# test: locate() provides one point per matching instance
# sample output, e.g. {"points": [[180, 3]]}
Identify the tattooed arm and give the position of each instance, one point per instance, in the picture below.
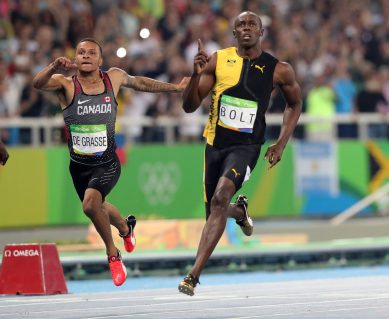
{"points": [[140, 83]]}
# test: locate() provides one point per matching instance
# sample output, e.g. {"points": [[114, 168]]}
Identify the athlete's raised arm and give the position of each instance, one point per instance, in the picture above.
{"points": [[140, 83], [52, 77], [201, 81]]}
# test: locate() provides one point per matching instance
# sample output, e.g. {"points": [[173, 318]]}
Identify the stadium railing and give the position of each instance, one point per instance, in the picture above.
{"points": [[169, 124]]}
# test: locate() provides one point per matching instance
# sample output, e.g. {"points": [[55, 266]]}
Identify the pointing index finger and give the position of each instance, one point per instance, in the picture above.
{"points": [[200, 45]]}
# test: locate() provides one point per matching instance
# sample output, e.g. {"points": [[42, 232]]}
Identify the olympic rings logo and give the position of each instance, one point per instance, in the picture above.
{"points": [[159, 182]]}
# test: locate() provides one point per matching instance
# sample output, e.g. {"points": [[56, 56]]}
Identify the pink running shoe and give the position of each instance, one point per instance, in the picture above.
{"points": [[118, 270], [129, 239]]}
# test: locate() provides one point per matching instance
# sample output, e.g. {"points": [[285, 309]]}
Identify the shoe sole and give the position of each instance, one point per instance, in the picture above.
{"points": [[247, 233], [248, 230], [186, 289]]}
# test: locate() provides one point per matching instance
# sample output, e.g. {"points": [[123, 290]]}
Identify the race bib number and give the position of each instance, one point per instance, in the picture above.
{"points": [[237, 114], [89, 139]]}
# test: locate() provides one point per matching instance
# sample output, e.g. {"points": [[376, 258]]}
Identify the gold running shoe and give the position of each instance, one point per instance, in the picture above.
{"points": [[246, 224], [188, 285]]}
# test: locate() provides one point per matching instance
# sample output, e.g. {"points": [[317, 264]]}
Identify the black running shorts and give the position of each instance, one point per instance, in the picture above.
{"points": [[101, 177], [235, 162]]}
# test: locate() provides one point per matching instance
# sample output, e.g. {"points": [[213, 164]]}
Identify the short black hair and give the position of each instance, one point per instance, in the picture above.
{"points": [[94, 41], [250, 13]]}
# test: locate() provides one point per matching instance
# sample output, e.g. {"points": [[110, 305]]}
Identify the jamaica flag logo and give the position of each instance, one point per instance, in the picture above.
{"points": [[379, 164]]}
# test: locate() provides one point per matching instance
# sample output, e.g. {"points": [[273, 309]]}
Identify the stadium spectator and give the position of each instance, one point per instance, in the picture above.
{"points": [[320, 103], [369, 99], [345, 91]]}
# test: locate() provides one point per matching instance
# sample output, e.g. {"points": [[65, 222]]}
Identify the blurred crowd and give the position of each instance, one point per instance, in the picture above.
{"points": [[338, 48]]}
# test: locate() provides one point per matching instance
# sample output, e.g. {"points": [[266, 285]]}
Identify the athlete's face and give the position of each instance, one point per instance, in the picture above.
{"points": [[88, 57], [247, 29]]}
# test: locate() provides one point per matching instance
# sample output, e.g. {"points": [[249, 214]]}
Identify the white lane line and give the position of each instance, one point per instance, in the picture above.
{"points": [[29, 301], [206, 296], [40, 303], [310, 313], [44, 301], [289, 313], [34, 299], [94, 309]]}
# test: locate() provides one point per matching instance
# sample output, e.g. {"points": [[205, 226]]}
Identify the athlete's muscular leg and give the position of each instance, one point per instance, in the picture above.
{"points": [[234, 211], [115, 218], [93, 208], [216, 223]]}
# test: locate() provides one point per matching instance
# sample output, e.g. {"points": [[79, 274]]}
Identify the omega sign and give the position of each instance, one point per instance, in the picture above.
{"points": [[21, 253]]}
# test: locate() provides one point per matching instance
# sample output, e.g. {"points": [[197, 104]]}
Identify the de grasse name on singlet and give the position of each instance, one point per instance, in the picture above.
{"points": [[94, 109], [89, 139]]}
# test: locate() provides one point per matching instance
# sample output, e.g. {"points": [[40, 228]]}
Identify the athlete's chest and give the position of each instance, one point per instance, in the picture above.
{"points": [[93, 88], [91, 106], [244, 71]]}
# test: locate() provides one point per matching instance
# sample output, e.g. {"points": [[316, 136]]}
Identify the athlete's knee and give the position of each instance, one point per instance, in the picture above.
{"points": [[89, 206], [219, 202]]}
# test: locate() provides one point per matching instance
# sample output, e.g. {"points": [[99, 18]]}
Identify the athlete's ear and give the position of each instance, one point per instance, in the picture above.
{"points": [[101, 62], [234, 33], [261, 32]]}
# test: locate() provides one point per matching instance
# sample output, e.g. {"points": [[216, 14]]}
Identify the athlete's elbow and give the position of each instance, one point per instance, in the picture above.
{"points": [[36, 84], [188, 108]]}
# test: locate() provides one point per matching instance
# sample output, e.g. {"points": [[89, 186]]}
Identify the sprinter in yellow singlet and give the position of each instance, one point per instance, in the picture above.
{"points": [[240, 80]]}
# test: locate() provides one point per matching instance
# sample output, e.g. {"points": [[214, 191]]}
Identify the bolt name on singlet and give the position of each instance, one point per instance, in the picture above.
{"points": [[237, 114], [94, 109]]}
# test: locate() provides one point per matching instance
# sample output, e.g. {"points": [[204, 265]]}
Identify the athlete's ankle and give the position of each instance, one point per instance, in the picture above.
{"points": [[195, 274], [239, 213], [196, 278], [112, 253], [123, 229]]}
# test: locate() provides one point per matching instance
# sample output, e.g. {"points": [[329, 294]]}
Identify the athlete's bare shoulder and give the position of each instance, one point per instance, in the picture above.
{"points": [[66, 83], [285, 78], [115, 72], [283, 74], [118, 78], [63, 79]]}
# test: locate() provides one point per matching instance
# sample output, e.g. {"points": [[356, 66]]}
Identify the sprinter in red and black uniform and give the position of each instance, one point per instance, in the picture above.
{"points": [[240, 80], [88, 102]]}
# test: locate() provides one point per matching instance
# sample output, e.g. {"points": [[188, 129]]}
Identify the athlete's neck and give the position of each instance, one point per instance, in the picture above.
{"points": [[89, 77], [249, 53]]}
